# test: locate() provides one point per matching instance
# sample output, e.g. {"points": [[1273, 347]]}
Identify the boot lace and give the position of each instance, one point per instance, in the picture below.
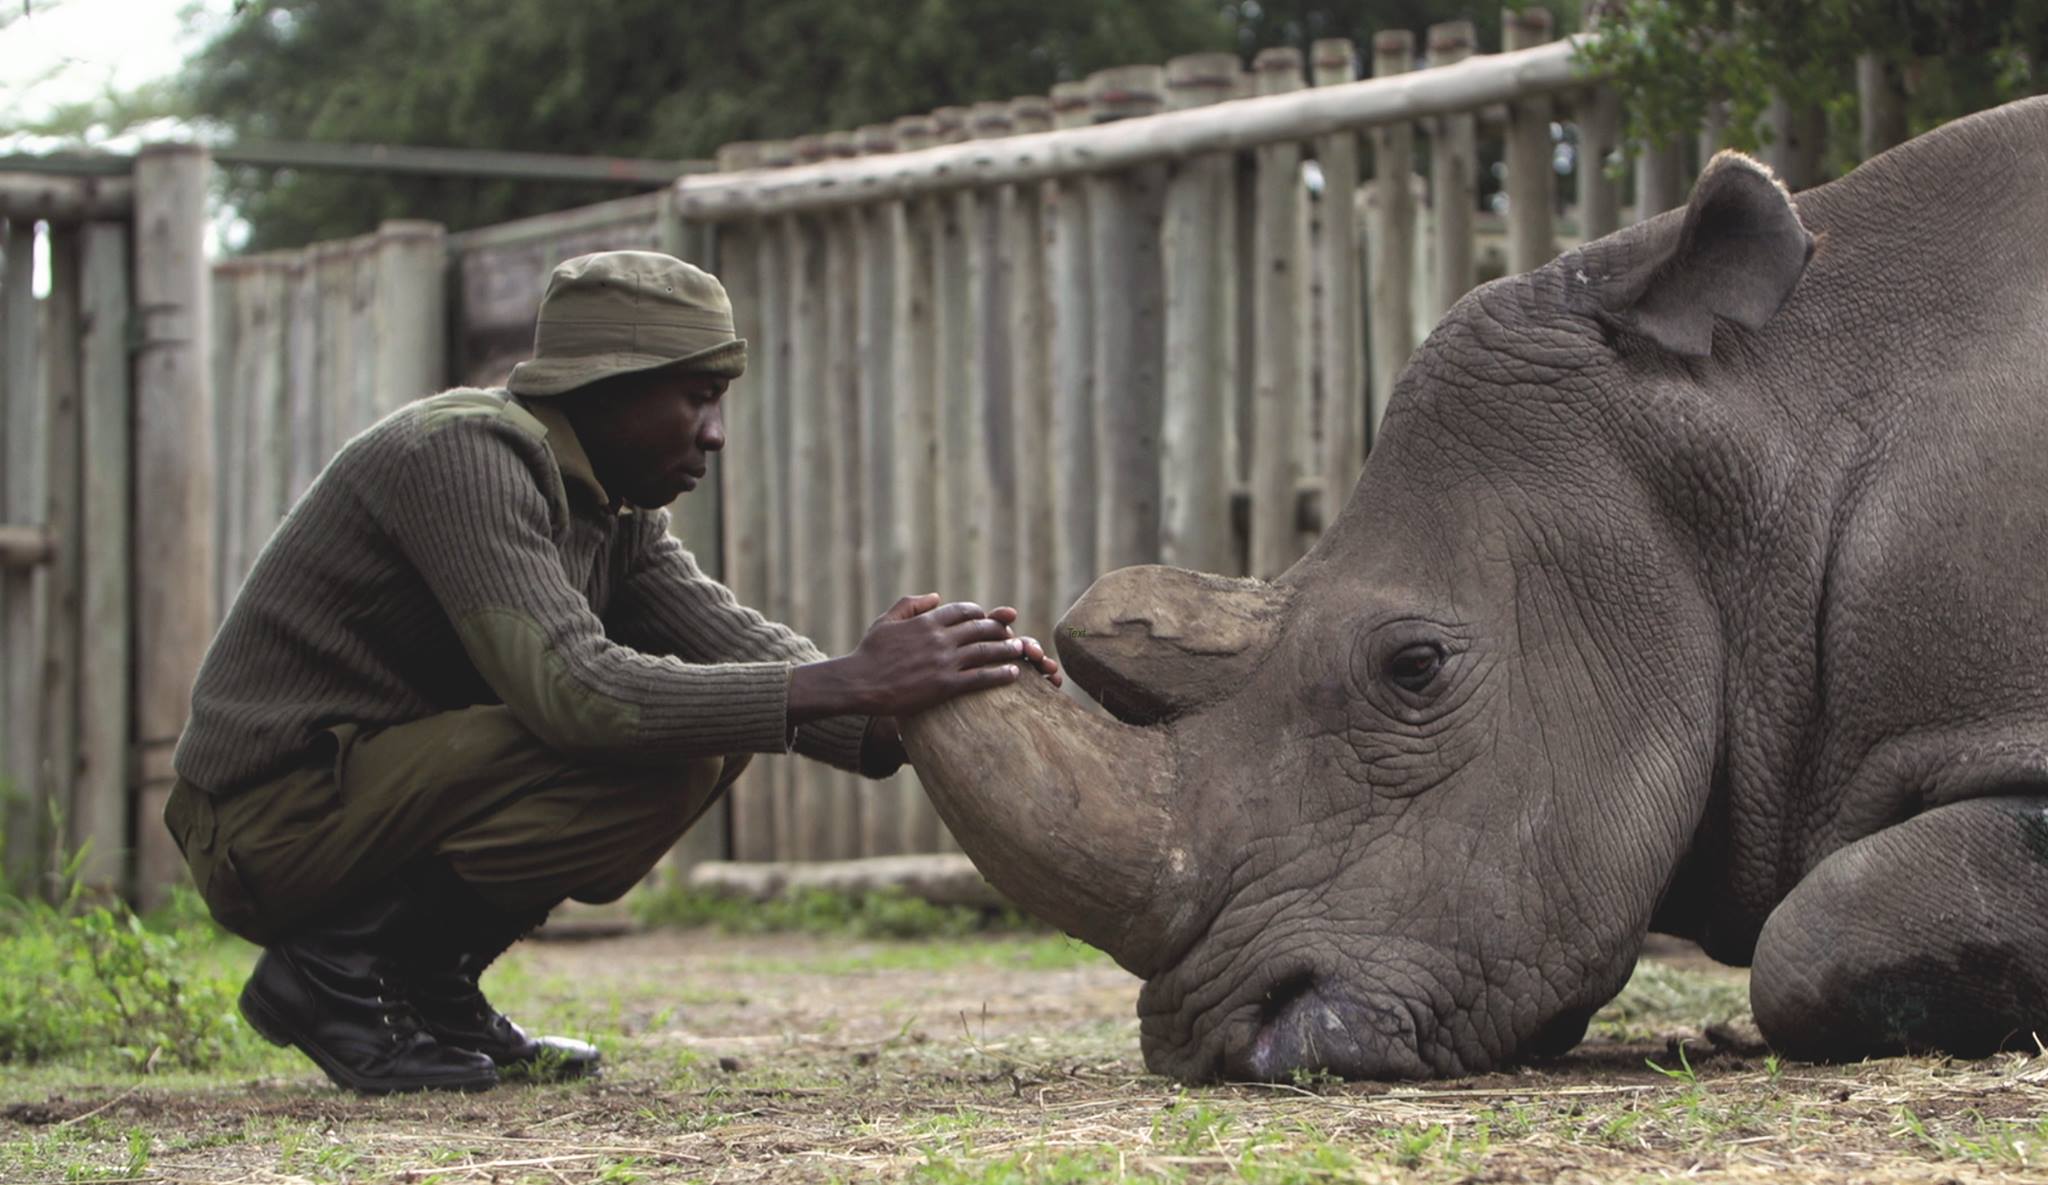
{"points": [[396, 1010]]}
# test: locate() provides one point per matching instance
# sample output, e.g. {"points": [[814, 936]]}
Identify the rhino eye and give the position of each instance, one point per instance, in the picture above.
{"points": [[1414, 668]]}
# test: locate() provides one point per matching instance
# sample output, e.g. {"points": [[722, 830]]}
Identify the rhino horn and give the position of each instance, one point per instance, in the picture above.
{"points": [[1151, 643], [1069, 813]]}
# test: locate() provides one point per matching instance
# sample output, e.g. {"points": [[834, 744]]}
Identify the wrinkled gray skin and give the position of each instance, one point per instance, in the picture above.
{"points": [[1694, 584]]}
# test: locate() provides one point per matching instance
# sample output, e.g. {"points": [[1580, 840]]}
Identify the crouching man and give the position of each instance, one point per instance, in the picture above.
{"points": [[472, 676]]}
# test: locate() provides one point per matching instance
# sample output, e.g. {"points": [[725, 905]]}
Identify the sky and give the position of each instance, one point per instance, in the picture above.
{"points": [[58, 51], [54, 52]]}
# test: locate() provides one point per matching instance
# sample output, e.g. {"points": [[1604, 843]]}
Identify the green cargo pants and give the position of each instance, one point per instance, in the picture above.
{"points": [[525, 826]]}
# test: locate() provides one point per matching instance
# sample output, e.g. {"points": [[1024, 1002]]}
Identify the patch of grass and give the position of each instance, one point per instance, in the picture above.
{"points": [[891, 914], [1660, 996], [95, 982]]}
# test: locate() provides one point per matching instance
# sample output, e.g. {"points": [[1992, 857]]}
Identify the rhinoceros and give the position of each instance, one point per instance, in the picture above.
{"points": [[1697, 583]]}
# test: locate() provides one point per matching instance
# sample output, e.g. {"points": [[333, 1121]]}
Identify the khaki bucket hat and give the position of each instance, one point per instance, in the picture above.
{"points": [[616, 312]]}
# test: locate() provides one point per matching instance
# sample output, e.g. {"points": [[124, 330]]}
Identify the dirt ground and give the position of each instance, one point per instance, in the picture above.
{"points": [[785, 1058]]}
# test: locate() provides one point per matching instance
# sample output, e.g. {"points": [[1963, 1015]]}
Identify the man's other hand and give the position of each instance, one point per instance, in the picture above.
{"points": [[918, 654]]}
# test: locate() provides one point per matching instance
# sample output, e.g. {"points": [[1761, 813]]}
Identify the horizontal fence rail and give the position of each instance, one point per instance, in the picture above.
{"points": [[1244, 124]]}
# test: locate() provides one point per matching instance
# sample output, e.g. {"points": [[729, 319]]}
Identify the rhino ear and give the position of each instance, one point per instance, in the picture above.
{"points": [[1738, 255]]}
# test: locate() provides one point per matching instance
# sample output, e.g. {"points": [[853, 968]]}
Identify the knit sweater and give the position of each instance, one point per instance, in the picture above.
{"points": [[461, 552]]}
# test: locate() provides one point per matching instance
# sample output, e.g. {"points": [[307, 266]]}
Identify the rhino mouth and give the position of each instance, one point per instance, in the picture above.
{"points": [[1300, 1018]]}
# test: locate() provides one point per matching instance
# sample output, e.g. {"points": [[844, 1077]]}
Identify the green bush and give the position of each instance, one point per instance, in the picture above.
{"points": [[96, 981], [890, 914]]}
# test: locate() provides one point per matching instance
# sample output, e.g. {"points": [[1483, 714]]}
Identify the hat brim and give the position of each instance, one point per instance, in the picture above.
{"points": [[558, 376]]}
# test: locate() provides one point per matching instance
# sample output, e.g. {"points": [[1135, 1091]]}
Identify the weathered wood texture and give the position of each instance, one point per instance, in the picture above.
{"points": [[1393, 228], [65, 566], [1198, 444], [177, 602], [1453, 174], [1128, 276], [994, 352], [309, 348], [1531, 184], [99, 817], [1341, 385], [1280, 307], [21, 584]]}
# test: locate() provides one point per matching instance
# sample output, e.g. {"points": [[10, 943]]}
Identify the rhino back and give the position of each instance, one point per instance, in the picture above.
{"points": [[1914, 365]]}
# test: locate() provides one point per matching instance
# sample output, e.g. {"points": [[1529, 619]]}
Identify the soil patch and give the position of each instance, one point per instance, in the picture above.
{"points": [[787, 1058]]}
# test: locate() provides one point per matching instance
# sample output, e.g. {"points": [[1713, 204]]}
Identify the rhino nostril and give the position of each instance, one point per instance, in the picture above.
{"points": [[1282, 994]]}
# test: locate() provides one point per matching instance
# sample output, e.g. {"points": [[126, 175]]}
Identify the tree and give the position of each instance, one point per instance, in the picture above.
{"points": [[1672, 58], [621, 77], [651, 78]]}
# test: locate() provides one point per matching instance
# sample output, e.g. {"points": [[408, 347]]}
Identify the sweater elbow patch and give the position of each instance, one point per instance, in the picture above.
{"points": [[511, 652]]}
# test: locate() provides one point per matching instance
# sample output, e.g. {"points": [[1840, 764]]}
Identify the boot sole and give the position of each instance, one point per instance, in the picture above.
{"points": [[274, 1029]]}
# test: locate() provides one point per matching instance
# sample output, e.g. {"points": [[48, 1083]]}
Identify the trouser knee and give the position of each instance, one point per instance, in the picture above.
{"points": [[590, 836]]}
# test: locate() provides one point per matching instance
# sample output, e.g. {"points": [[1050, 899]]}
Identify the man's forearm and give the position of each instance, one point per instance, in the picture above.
{"points": [[828, 688]]}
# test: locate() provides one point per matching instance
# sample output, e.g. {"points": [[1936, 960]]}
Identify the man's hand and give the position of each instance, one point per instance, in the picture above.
{"points": [[918, 654]]}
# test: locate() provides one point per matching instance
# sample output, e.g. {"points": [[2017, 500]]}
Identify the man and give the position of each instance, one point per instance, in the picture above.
{"points": [[473, 675]]}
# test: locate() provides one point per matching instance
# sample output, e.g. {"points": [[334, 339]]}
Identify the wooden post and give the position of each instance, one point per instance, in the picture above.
{"points": [[1198, 428], [1124, 212], [174, 479], [98, 824], [813, 585], [57, 697], [1531, 183], [236, 324], [411, 313], [1072, 309], [1030, 453], [1599, 120], [304, 418], [915, 429], [1453, 174], [952, 231], [1660, 178], [983, 427], [21, 505], [877, 575], [230, 422], [914, 409], [1346, 399], [263, 483], [1881, 103], [838, 607], [1279, 312], [333, 268], [99, 813], [1797, 135], [362, 345], [1393, 229], [1713, 128]]}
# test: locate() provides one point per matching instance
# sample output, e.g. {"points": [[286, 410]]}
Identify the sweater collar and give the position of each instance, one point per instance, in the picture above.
{"points": [[568, 450]]}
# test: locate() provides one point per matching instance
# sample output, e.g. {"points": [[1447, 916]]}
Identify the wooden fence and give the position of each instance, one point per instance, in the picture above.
{"points": [[1001, 350], [996, 351]]}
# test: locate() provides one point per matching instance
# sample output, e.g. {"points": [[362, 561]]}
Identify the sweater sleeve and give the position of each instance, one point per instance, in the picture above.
{"points": [[469, 510], [668, 605]]}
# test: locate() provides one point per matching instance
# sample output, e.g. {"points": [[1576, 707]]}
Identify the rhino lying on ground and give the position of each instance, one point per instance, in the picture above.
{"points": [[1698, 583]]}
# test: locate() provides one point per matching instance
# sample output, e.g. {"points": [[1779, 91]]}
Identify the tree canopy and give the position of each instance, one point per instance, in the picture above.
{"points": [[656, 79], [1671, 58]]}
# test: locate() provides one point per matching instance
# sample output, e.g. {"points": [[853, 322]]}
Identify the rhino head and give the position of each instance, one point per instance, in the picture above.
{"points": [[1408, 809]]}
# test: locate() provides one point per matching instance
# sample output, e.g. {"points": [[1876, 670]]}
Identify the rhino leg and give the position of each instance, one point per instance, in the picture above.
{"points": [[1929, 935]]}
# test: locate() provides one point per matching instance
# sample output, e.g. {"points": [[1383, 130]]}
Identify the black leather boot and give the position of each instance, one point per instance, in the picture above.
{"points": [[461, 936], [336, 991]]}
